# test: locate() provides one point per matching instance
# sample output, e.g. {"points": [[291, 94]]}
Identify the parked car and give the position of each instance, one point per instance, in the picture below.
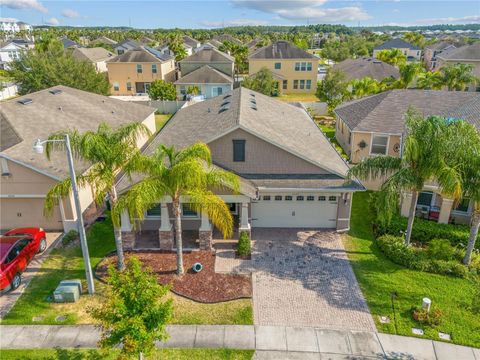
{"points": [[17, 249]]}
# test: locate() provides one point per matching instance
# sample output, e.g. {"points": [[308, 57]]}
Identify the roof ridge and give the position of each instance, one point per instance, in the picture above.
{"points": [[240, 91]]}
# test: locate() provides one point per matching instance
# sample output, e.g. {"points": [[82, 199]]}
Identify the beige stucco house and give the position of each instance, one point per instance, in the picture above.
{"points": [[208, 55], [97, 56], [27, 177], [432, 51], [132, 72], [412, 52], [294, 69]]}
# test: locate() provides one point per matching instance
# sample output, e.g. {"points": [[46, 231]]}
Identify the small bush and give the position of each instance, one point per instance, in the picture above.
{"points": [[441, 249], [69, 237], [432, 317], [244, 246]]}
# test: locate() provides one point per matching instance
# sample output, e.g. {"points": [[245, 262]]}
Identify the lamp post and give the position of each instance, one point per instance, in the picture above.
{"points": [[38, 148]]}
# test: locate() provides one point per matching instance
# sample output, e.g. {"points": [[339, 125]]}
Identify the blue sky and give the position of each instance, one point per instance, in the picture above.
{"points": [[211, 14]]}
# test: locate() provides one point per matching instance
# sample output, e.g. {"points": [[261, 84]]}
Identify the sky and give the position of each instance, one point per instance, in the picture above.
{"points": [[212, 14]]}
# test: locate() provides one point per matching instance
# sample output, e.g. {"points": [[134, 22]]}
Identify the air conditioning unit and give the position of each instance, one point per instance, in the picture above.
{"points": [[64, 294]]}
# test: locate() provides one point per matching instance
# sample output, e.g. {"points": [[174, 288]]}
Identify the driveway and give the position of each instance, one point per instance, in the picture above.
{"points": [[304, 278]]}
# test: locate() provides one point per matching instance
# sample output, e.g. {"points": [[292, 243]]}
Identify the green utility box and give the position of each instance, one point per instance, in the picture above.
{"points": [[73, 282], [66, 293]]}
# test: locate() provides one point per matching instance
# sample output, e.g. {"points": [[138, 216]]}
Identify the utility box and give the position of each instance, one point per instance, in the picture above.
{"points": [[73, 282], [65, 293]]}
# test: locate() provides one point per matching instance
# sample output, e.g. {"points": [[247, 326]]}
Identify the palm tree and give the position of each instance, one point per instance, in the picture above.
{"points": [[175, 174], [393, 57], [108, 151], [408, 73], [365, 86], [458, 76], [175, 44], [430, 80], [421, 161]]}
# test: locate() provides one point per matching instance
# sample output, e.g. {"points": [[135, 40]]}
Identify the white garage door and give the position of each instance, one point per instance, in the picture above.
{"points": [[315, 211]]}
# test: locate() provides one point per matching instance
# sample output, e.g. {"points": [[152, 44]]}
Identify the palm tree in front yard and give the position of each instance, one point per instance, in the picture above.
{"points": [[422, 160], [186, 174], [108, 151]]}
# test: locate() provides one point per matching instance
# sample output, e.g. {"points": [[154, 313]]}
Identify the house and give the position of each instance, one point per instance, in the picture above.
{"points": [[290, 175], [467, 54], [226, 37], [125, 45], [69, 44], [132, 72], [194, 44], [9, 52], [208, 80], [27, 177], [96, 56], [208, 56], [164, 49], [253, 45], [375, 125], [104, 40], [431, 52], [366, 66], [209, 44], [412, 52], [294, 69], [9, 25]]}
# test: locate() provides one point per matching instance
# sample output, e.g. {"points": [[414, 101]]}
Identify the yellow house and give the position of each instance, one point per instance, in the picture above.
{"points": [[132, 73], [293, 68]]}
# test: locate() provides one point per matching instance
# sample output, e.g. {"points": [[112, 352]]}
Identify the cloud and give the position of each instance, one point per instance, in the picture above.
{"points": [[69, 13], [53, 21], [8, 20], [302, 10], [448, 20], [24, 5], [236, 22]]}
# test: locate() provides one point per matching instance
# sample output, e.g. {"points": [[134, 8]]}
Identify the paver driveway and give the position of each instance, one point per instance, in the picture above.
{"points": [[303, 278]]}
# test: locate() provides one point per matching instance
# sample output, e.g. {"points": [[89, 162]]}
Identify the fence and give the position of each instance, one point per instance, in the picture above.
{"points": [[166, 106], [318, 108]]}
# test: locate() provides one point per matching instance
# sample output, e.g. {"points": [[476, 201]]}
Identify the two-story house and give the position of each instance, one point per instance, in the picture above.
{"points": [[210, 56], [96, 56], [132, 72], [294, 69], [125, 45], [412, 52], [432, 51]]}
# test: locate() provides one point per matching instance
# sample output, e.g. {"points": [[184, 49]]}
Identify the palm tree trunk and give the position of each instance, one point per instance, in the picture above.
{"points": [[118, 233], [140, 355], [474, 226], [178, 235], [411, 217]]}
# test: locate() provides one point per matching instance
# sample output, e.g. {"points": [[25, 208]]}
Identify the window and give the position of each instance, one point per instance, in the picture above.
{"points": [[379, 145], [322, 198], [332, 198], [309, 66], [278, 197], [116, 86], [302, 84], [303, 66], [216, 91], [425, 198], [154, 68], [187, 211], [238, 150], [129, 86], [120, 51], [295, 84], [266, 197], [155, 211], [309, 84], [233, 208], [139, 68], [288, 198], [297, 66], [284, 84], [463, 205], [310, 198], [183, 91], [278, 66], [299, 198]]}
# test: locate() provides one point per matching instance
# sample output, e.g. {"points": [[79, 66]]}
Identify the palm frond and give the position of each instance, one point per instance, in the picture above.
{"points": [[375, 167], [199, 151], [220, 179]]}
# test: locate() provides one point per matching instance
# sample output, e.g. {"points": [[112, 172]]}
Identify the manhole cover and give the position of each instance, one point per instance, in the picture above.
{"points": [[61, 318]]}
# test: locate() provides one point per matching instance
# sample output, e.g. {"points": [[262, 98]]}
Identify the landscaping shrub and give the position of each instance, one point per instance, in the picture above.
{"points": [[432, 317], [244, 246], [69, 237], [441, 249]]}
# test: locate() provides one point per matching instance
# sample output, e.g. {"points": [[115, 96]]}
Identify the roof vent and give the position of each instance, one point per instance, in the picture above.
{"points": [[251, 94], [377, 62], [253, 106], [55, 91], [60, 108], [253, 101], [225, 103], [27, 101], [222, 110], [227, 96]]}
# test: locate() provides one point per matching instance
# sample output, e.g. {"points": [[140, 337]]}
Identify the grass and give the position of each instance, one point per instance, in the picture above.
{"points": [[329, 132], [67, 263], [93, 354], [161, 120], [379, 277], [298, 97]]}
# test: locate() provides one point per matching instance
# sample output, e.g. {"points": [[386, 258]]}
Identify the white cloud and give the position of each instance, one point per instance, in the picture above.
{"points": [[69, 13], [8, 20], [24, 5], [53, 21], [310, 10], [236, 22], [448, 20]]}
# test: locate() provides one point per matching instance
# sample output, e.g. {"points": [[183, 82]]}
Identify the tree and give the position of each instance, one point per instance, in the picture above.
{"points": [[422, 160], [408, 73], [458, 76], [393, 57], [365, 86], [175, 45], [186, 173], [50, 66], [332, 88], [415, 38], [108, 151], [162, 90], [135, 312], [430, 80], [262, 81], [193, 90]]}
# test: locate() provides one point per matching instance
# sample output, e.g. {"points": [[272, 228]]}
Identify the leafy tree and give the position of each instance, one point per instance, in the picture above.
{"points": [[458, 76], [365, 86], [239, 52], [108, 151], [175, 44], [422, 160], [262, 81], [430, 80], [332, 89], [50, 66], [415, 38], [162, 90], [393, 57], [193, 90], [175, 174], [135, 311], [408, 73]]}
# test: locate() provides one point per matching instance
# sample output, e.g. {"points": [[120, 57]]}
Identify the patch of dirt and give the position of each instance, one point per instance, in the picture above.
{"points": [[207, 286]]}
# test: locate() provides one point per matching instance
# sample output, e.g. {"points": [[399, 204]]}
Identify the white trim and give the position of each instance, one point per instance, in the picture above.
{"points": [[22, 196], [30, 167], [301, 190]]}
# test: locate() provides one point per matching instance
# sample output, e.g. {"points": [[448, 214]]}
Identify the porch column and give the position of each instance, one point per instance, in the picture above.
{"points": [[205, 233], [244, 223], [406, 202], [128, 235], [165, 233], [445, 210]]}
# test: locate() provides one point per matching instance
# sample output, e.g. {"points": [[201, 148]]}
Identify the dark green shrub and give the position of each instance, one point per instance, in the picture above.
{"points": [[69, 237], [440, 249], [244, 246], [432, 317]]}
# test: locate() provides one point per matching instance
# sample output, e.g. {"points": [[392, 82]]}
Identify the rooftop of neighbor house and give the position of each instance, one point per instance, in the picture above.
{"points": [[396, 43], [38, 115], [466, 53], [141, 54], [367, 66], [128, 42], [67, 43], [92, 54], [205, 75], [214, 43], [281, 50], [209, 54], [105, 40], [439, 45], [227, 37], [384, 112], [190, 41]]}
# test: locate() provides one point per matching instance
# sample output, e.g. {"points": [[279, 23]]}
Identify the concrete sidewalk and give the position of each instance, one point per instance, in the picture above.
{"points": [[271, 342]]}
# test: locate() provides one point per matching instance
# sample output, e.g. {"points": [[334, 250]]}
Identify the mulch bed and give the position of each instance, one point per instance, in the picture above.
{"points": [[207, 286]]}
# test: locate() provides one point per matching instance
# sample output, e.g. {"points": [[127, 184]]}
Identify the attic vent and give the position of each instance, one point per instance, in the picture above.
{"points": [[55, 91], [252, 94], [225, 103], [227, 96], [25, 101], [253, 106], [222, 110], [253, 101]]}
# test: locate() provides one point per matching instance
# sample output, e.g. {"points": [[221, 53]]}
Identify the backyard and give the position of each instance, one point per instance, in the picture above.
{"points": [[161, 120], [329, 132], [379, 278]]}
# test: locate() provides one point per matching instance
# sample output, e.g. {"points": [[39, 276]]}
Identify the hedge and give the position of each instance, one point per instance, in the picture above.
{"points": [[244, 246]]}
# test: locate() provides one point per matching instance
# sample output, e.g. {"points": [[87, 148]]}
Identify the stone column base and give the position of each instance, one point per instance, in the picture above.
{"points": [[205, 237], [165, 238], [128, 239]]}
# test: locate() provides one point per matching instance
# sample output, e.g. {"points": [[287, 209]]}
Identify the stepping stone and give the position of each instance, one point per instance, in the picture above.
{"points": [[38, 318], [384, 319], [417, 331], [444, 336], [61, 318]]}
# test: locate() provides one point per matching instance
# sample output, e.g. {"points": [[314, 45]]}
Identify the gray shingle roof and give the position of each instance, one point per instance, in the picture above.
{"points": [[214, 42], [205, 75], [384, 112], [141, 54], [207, 55], [190, 41], [467, 52], [281, 50], [49, 113], [396, 44], [92, 54], [105, 40], [8, 136], [362, 67], [226, 37], [439, 45], [129, 43], [67, 43]]}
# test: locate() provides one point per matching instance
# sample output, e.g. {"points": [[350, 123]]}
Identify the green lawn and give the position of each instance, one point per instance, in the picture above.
{"points": [[93, 354], [161, 120], [379, 277], [329, 132]]}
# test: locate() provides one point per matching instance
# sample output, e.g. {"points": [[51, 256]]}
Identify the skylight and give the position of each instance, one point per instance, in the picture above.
{"points": [[27, 101]]}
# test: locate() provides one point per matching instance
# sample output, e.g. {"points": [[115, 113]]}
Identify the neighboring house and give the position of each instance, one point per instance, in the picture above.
{"points": [[467, 54], [9, 52], [26, 177], [69, 44], [226, 37], [104, 40], [148, 41], [208, 56], [125, 45], [290, 174], [253, 45], [164, 49], [432, 51], [294, 69], [208, 80], [209, 44], [375, 125], [13, 26], [8, 90], [194, 44], [96, 56], [132, 72], [373, 68], [412, 52]]}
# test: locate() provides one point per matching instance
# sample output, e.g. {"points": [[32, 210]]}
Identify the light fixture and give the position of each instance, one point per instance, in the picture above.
{"points": [[38, 147]]}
